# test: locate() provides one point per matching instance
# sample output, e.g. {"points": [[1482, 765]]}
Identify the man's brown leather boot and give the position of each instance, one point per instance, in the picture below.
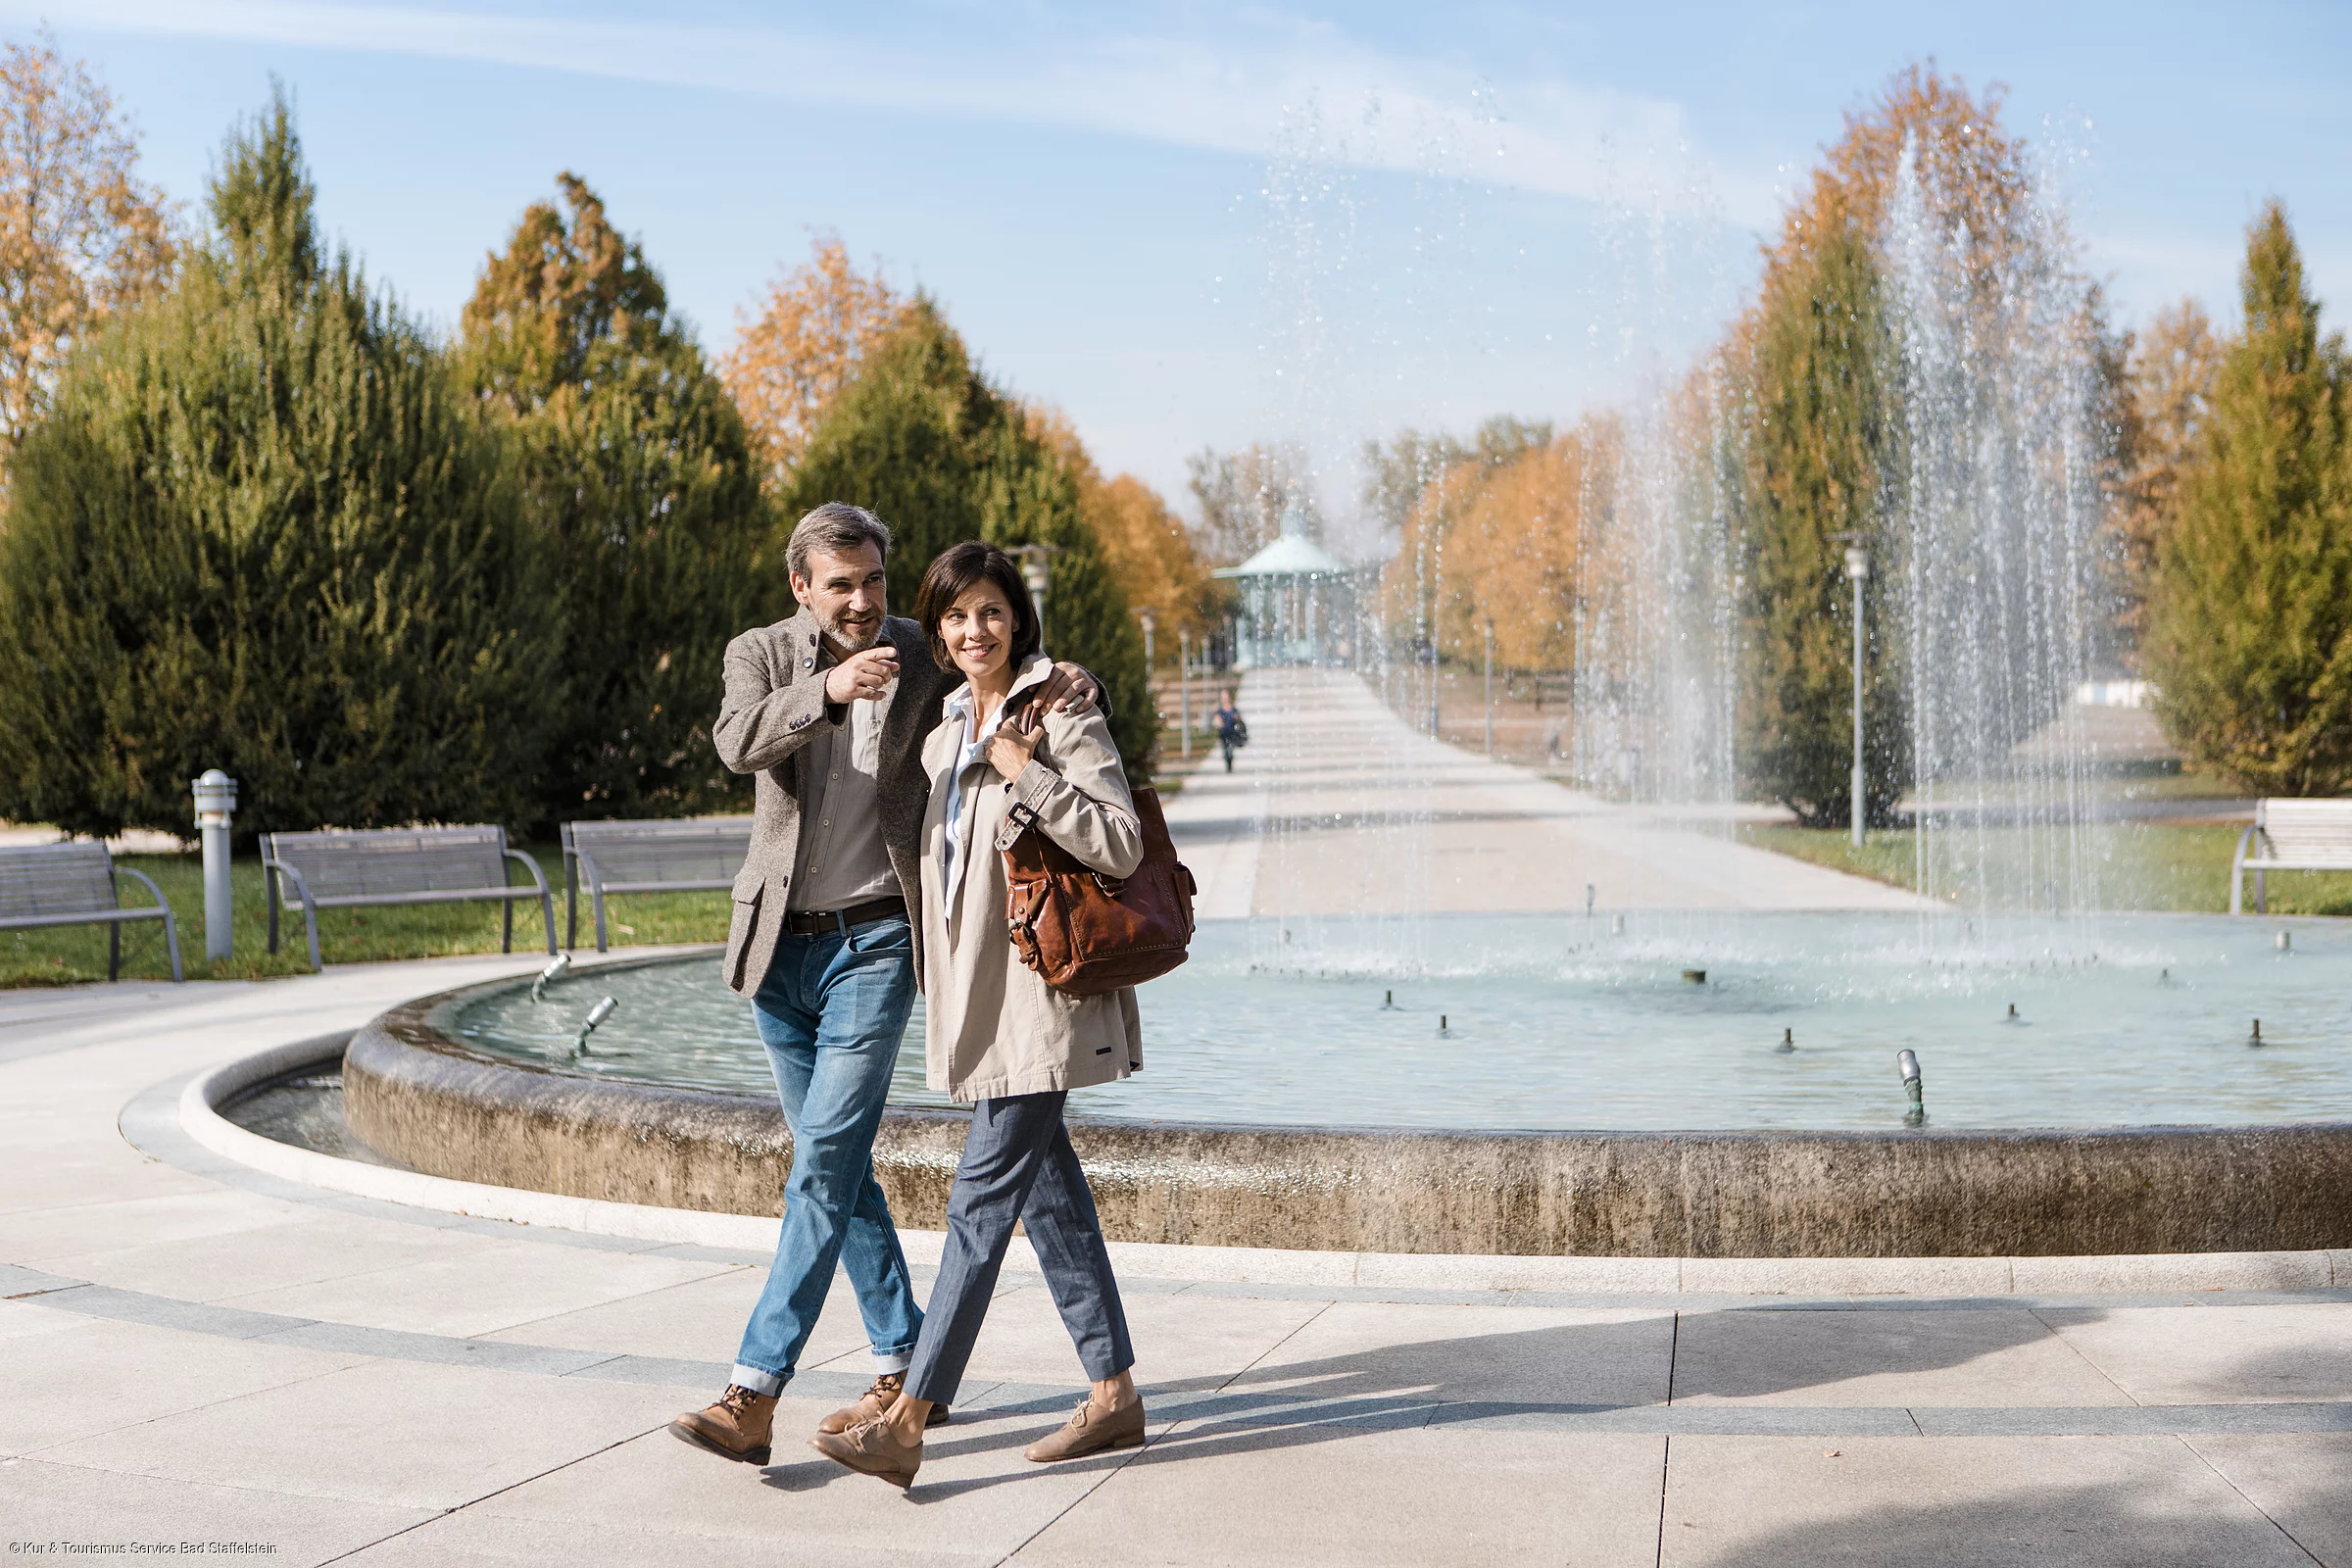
{"points": [[737, 1427], [873, 1403]]}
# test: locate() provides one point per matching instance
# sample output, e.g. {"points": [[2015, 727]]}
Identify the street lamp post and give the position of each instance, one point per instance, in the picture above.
{"points": [[1489, 687], [1858, 568], [1184, 685], [1036, 563], [1151, 666]]}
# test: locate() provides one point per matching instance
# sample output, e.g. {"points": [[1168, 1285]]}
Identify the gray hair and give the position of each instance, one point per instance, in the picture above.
{"points": [[837, 528]]}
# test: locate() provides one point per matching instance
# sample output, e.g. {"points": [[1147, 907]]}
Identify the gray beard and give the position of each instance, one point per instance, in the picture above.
{"points": [[842, 639]]}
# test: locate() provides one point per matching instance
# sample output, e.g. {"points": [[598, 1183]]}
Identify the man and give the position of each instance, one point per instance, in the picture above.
{"points": [[1231, 731], [829, 710]]}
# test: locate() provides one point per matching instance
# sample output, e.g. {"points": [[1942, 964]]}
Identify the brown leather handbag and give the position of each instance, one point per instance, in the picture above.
{"points": [[1085, 933]]}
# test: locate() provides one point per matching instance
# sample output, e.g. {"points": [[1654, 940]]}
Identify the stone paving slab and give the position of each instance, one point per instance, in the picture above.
{"points": [[1886, 1357], [2239, 1353], [2303, 1481], [1320, 1496], [1958, 1502], [44, 1501]]}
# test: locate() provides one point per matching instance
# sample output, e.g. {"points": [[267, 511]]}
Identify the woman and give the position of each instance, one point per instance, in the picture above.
{"points": [[999, 1036]]}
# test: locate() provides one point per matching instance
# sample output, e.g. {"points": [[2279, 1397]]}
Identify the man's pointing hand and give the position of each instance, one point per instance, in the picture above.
{"points": [[863, 678]]}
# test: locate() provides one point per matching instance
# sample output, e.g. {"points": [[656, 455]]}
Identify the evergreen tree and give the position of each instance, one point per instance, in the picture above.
{"points": [[259, 531], [643, 499], [923, 440], [2250, 636], [1817, 450]]}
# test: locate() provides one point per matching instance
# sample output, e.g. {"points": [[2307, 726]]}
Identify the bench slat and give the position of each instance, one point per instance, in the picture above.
{"points": [[649, 856], [363, 866], [2304, 835], [40, 881]]}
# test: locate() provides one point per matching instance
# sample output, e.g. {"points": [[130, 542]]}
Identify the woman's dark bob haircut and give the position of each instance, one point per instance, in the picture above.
{"points": [[960, 569]]}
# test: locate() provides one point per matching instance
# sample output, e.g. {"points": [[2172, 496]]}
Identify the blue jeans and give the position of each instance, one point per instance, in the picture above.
{"points": [[830, 1012]]}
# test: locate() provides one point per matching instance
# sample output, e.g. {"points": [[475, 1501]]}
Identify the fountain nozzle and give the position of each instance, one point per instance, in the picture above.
{"points": [[1442, 1029], [2286, 942], [1388, 1002], [554, 971], [1907, 1061], [1788, 1042], [1696, 977], [2255, 1039], [596, 1016]]}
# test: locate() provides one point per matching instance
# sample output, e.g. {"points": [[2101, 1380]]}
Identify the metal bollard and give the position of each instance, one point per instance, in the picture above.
{"points": [[215, 804]]}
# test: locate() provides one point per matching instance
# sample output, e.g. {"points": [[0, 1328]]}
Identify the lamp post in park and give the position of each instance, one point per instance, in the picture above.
{"points": [[1184, 685], [216, 805], [1490, 685], [1857, 569], [1151, 668], [1037, 574]]}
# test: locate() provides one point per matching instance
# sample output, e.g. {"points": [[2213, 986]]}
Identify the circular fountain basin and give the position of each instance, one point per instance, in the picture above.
{"points": [[1582, 1096]]}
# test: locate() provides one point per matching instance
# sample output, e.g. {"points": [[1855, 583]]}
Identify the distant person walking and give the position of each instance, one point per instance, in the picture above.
{"points": [[1232, 733], [1000, 1037], [829, 710]]}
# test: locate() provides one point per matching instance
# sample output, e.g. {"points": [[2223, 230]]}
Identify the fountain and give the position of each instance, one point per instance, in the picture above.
{"points": [[1585, 1044]]}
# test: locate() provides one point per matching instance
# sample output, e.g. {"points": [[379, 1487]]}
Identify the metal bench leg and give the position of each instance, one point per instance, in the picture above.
{"points": [[172, 941], [114, 949], [506, 939], [270, 893], [309, 921], [2262, 893], [571, 902], [547, 919]]}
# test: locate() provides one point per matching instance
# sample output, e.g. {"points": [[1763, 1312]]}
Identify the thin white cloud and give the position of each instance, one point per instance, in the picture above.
{"points": [[1243, 93]]}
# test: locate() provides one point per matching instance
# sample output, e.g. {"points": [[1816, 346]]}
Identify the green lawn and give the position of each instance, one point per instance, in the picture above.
{"points": [[63, 955], [2142, 865]]}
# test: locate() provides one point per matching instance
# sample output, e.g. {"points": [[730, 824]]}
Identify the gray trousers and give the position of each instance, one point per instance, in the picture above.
{"points": [[1018, 1165]]}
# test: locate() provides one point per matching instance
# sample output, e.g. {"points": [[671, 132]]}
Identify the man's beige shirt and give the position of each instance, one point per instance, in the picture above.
{"points": [[843, 861]]}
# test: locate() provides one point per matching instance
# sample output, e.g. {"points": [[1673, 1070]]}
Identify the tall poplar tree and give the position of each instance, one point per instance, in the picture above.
{"points": [[922, 439], [642, 496], [2250, 636], [1818, 451], [258, 530]]}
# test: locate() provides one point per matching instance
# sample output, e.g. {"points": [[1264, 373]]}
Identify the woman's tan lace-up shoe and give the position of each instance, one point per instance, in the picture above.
{"points": [[1090, 1429], [873, 1448], [873, 1403], [737, 1427]]}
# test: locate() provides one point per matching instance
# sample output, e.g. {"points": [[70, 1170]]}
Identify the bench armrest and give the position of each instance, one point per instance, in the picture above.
{"points": [[170, 927], [310, 909], [547, 903]]}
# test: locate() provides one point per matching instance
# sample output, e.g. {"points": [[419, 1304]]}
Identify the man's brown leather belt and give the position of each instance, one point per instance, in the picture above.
{"points": [[810, 922]]}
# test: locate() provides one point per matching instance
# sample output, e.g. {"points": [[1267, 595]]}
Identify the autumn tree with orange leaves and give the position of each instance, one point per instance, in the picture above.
{"points": [[805, 343], [81, 236]]}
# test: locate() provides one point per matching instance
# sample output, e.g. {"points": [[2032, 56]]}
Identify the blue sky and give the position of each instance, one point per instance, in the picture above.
{"points": [[1198, 225]]}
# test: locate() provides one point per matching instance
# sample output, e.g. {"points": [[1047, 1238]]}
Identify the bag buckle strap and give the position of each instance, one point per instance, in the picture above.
{"points": [[1019, 818]]}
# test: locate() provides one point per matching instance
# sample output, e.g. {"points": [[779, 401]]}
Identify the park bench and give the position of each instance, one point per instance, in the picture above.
{"points": [[697, 853], [2292, 836], [73, 884], [337, 869]]}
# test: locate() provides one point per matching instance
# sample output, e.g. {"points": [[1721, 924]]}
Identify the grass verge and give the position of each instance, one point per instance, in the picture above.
{"points": [[2173, 867]]}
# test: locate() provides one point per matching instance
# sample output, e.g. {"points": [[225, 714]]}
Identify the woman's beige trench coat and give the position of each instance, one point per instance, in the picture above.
{"points": [[994, 1028]]}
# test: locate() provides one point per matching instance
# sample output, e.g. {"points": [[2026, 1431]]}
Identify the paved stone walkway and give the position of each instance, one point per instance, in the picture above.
{"points": [[193, 1352], [1337, 806]]}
